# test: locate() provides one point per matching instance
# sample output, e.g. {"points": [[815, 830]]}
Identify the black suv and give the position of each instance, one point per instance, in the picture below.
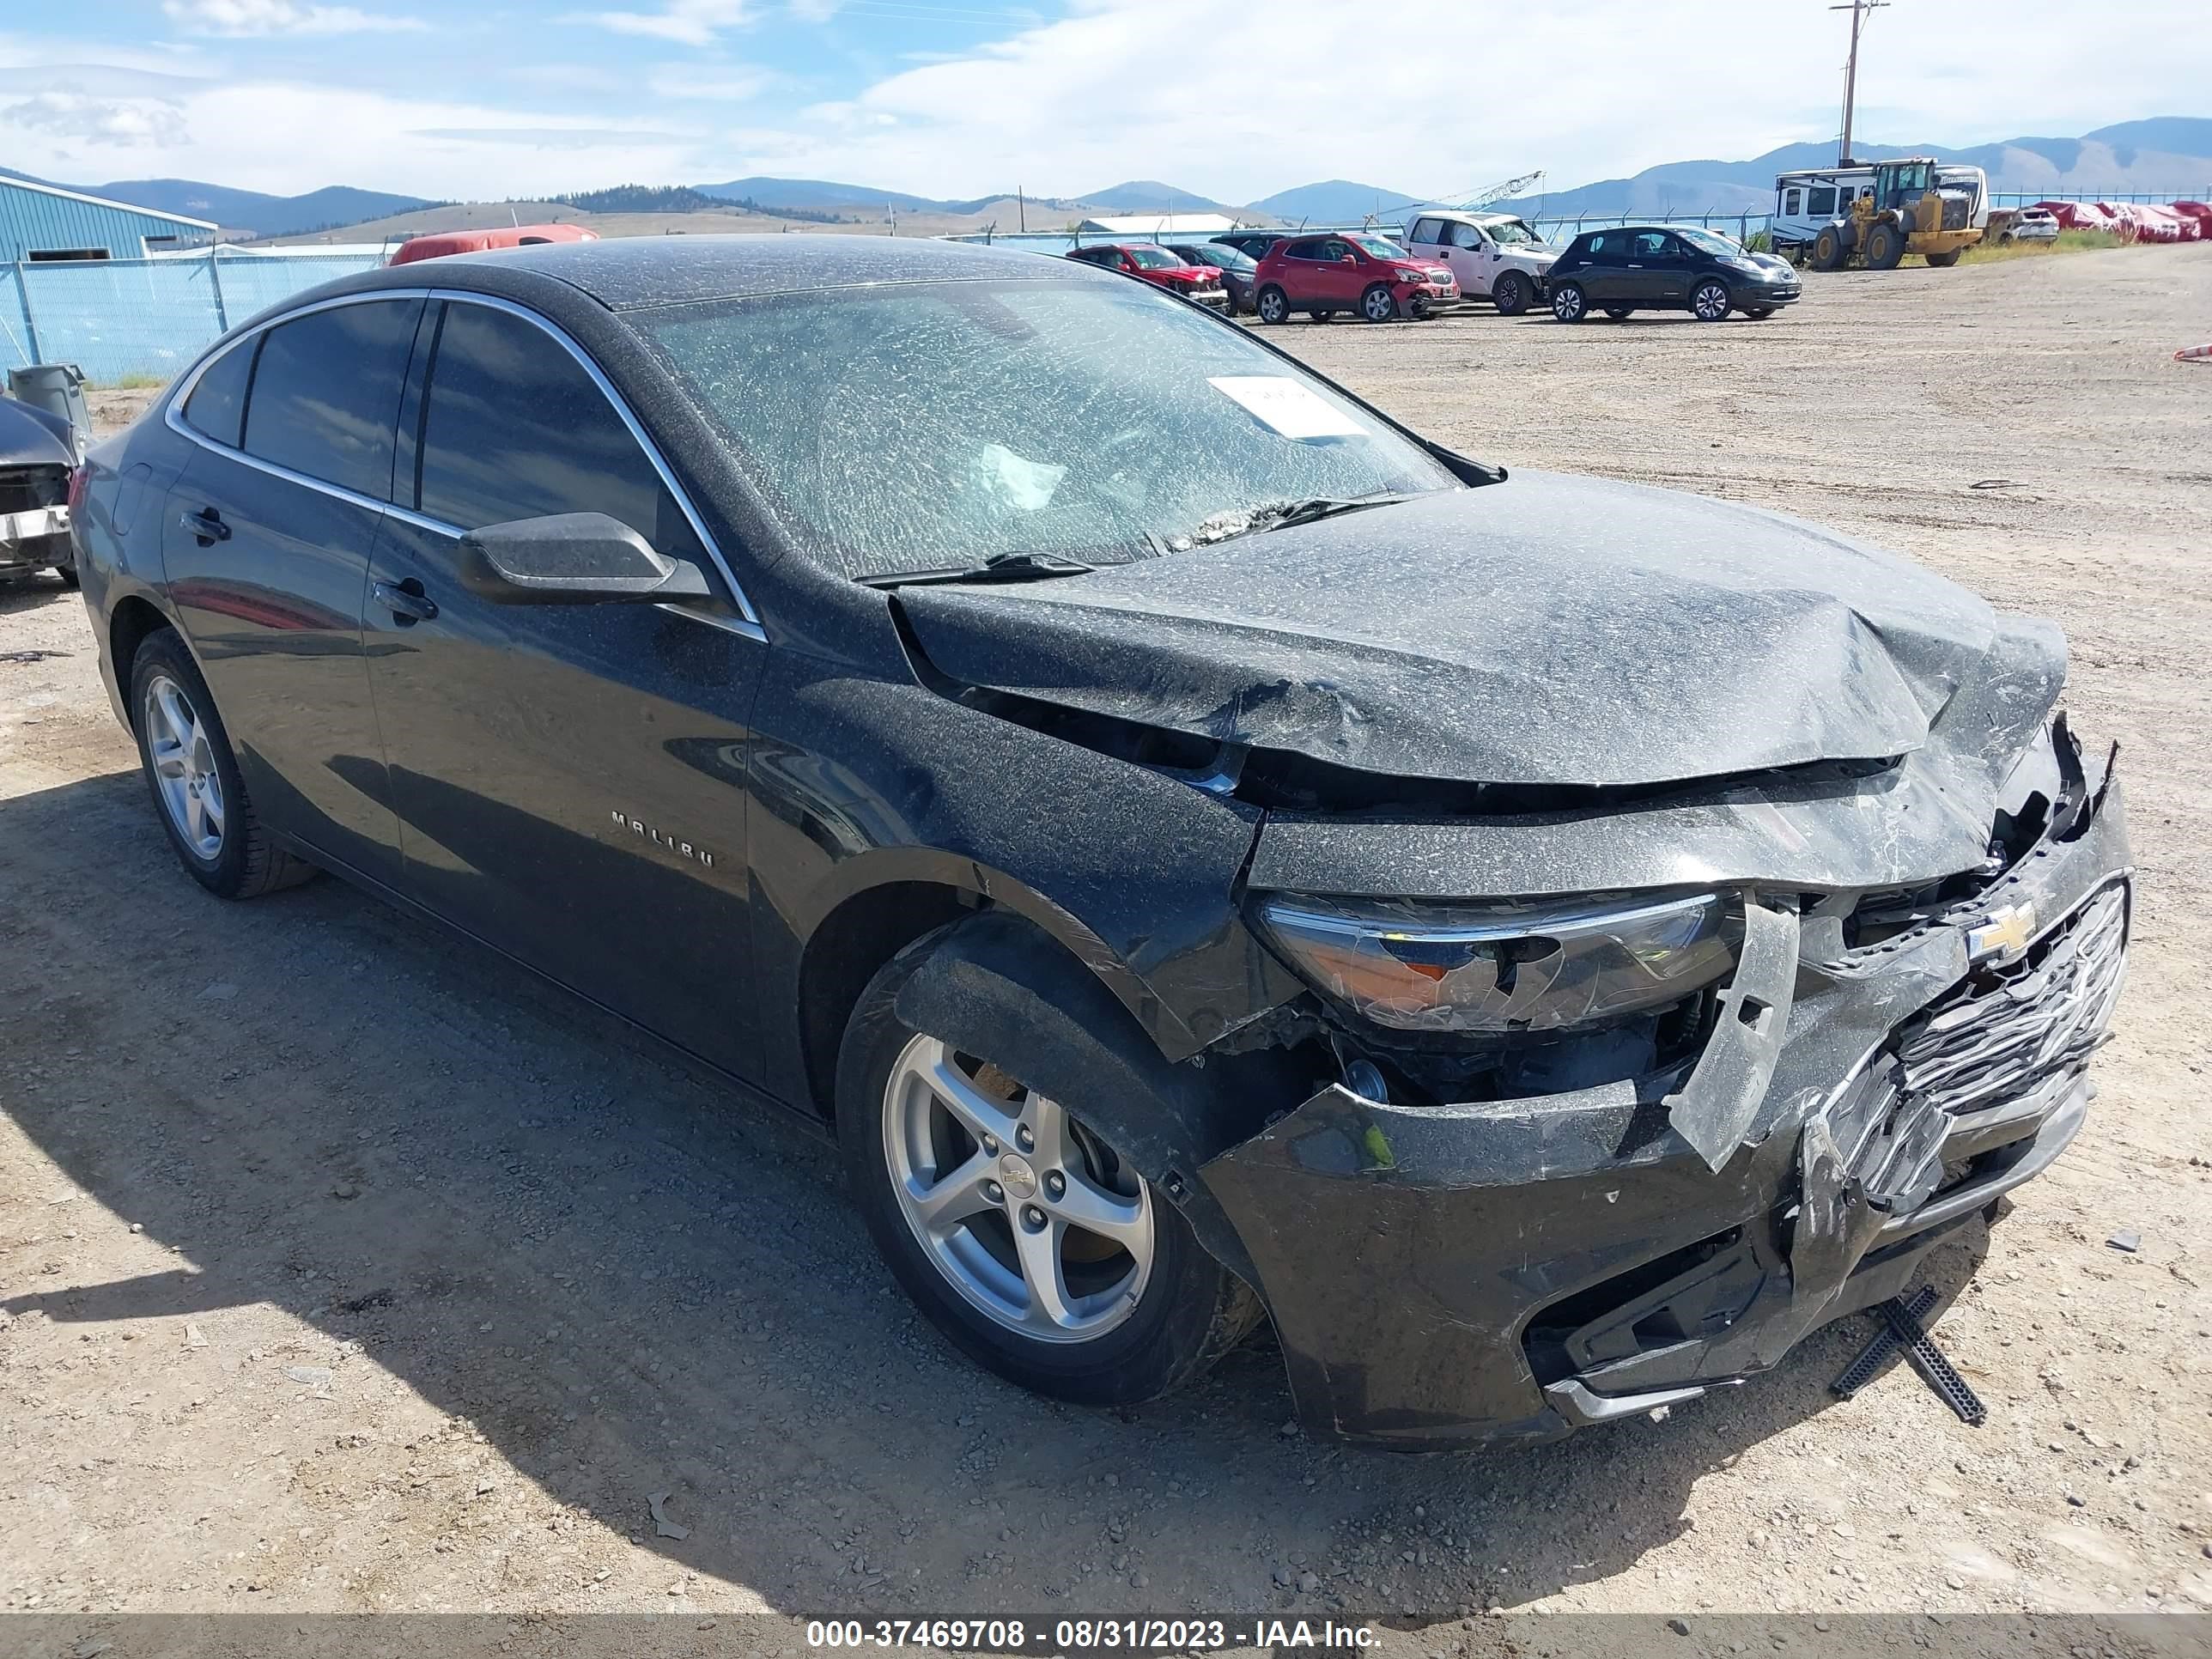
{"points": [[1207, 852], [1666, 268], [1252, 244]]}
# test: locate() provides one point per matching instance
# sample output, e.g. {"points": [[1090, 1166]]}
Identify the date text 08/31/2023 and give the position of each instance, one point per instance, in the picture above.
{"points": [[1016, 1635]]}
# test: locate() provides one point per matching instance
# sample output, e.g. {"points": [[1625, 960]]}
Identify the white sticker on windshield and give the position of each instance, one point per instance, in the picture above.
{"points": [[1291, 407]]}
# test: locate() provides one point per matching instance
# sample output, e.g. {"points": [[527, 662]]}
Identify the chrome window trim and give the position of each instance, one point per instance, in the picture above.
{"points": [[747, 623]]}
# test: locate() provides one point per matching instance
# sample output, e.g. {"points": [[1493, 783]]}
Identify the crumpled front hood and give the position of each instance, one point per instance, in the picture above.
{"points": [[31, 437], [1548, 631]]}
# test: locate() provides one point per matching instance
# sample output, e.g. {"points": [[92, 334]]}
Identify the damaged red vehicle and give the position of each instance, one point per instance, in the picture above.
{"points": [[1207, 851], [1149, 263]]}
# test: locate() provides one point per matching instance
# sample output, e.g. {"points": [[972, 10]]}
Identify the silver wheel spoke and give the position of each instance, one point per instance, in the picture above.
{"points": [[1126, 1221], [978, 1113], [953, 1198], [1039, 1253]]}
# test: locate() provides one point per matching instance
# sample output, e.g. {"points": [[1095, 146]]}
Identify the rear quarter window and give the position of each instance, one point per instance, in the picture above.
{"points": [[216, 407], [325, 397]]}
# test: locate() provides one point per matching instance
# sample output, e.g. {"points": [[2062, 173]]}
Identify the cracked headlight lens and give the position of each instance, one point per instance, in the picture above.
{"points": [[1503, 967]]}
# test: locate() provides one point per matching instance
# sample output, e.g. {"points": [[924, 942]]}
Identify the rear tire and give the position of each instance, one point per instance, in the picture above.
{"points": [[1621, 314], [1511, 293], [1172, 1314], [1569, 304], [192, 775], [1273, 305]]}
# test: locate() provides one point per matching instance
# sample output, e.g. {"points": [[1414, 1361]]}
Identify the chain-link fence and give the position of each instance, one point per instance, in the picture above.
{"points": [[119, 319]]}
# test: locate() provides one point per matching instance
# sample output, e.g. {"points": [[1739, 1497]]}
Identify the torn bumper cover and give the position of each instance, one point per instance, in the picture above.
{"points": [[1513, 1270]]}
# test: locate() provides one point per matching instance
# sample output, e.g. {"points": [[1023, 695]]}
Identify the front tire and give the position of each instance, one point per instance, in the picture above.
{"points": [[1020, 1233], [1511, 293], [1273, 305], [1828, 250], [1885, 248], [1568, 303], [1709, 302], [1759, 314], [192, 775], [1379, 305], [1620, 314]]}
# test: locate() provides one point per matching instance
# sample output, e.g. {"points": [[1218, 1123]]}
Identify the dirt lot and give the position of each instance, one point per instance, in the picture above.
{"points": [[344, 1268]]}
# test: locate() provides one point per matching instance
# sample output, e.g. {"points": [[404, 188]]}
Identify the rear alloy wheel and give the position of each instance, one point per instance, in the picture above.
{"points": [[1568, 304], [1511, 293], [1709, 301], [1274, 306], [1379, 305], [194, 778], [1019, 1231]]}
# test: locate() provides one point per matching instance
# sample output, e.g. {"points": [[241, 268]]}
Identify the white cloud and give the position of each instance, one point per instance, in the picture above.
{"points": [[719, 84], [689, 22], [116, 122], [251, 17]]}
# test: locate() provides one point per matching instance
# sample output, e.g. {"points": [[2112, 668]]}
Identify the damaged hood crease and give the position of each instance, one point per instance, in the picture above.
{"points": [[1550, 631]]}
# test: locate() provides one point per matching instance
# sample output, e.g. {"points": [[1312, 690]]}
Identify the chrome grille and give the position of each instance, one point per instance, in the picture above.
{"points": [[2003, 1032]]}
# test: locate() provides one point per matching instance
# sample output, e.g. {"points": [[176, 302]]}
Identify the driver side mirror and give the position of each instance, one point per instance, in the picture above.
{"points": [[1349, 259], [572, 558]]}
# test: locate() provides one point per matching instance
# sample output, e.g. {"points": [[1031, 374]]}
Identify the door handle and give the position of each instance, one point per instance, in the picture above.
{"points": [[405, 600], [206, 524]]}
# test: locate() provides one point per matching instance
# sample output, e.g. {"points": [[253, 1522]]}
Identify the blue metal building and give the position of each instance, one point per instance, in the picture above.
{"points": [[39, 223]]}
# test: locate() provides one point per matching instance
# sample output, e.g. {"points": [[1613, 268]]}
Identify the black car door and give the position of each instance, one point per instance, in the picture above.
{"points": [[570, 778], [1655, 270], [265, 544], [1603, 268]]}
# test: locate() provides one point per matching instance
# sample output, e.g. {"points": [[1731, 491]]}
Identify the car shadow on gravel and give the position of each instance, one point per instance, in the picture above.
{"points": [[631, 1284]]}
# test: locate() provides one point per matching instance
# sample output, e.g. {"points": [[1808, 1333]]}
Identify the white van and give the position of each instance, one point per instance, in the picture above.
{"points": [[1496, 254]]}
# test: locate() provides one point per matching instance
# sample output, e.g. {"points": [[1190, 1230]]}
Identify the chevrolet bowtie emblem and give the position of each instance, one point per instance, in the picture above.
{"points": [[2004, 935]]}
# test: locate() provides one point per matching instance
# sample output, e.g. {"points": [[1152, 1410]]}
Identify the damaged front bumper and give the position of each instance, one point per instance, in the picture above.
{"points": [[1513, 1270]]}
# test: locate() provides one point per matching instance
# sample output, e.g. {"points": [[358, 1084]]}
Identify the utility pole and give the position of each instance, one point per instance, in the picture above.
{"points": [[1858, 9], [1022, 207]]}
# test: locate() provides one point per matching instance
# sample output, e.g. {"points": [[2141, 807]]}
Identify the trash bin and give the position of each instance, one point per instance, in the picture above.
{"points": [[57, 388]]}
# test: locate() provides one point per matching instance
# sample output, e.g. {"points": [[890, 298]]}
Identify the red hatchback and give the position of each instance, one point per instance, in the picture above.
{"points": [[1349, 271], [1149, 263]]}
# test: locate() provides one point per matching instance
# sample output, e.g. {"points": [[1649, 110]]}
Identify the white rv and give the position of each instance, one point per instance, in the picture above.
{"points": [[1805, 201]]}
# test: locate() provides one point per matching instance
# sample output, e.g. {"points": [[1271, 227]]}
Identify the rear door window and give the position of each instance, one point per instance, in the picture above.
{"points": [[513, 427], [217, 405], [326, 393], [1431, 231], [1820, 199]]}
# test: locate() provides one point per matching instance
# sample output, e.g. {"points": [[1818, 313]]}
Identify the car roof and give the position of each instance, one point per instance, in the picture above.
{"points": [[628, 272]]}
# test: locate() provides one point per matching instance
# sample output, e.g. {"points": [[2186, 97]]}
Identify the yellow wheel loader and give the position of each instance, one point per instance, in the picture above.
{"points": [[1903, 211]]}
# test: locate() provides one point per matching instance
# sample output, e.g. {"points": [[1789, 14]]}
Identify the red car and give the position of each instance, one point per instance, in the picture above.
{"points": [[1149, 263], [440, 244], [1349, 271]]}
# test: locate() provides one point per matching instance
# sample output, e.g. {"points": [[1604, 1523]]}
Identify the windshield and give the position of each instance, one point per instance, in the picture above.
{"points": [[1380, 246], [1150, 258], [1226, 259], [1514, 233], [935, 424], [1710, 240]]}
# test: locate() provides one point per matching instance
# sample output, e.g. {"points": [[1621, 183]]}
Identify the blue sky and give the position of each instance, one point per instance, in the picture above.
{"points": [[1232, 98]]}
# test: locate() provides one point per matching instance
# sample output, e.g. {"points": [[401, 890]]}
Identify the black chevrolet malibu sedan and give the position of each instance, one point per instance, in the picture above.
{"points": [[1632, 268], [1206, 851]]}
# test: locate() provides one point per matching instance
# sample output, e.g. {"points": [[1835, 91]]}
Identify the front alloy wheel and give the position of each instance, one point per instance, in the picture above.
{"points": [[1030, 1219], [1710, 302], [1017, 1227], [1378, 305]]}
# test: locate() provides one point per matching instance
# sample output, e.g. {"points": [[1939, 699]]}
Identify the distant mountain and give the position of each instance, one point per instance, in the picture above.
{"points": [[2170, 153], [1149, 196], [248, 209], [1334, 201], [778, 193]]}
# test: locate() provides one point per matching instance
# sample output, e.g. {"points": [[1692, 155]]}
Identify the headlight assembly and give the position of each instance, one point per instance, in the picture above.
{"points": [[1503, 967]]}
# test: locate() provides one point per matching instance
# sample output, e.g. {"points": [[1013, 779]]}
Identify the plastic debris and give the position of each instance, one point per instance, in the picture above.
{"points": [[2126, 1239], [661, 1523]]}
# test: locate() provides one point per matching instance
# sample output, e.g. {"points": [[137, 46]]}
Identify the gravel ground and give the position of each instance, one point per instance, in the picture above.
{"points": [[344, 1269]]}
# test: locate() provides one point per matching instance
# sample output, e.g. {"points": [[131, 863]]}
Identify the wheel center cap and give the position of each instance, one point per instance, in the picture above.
{"points": [[1017, 1177]]}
